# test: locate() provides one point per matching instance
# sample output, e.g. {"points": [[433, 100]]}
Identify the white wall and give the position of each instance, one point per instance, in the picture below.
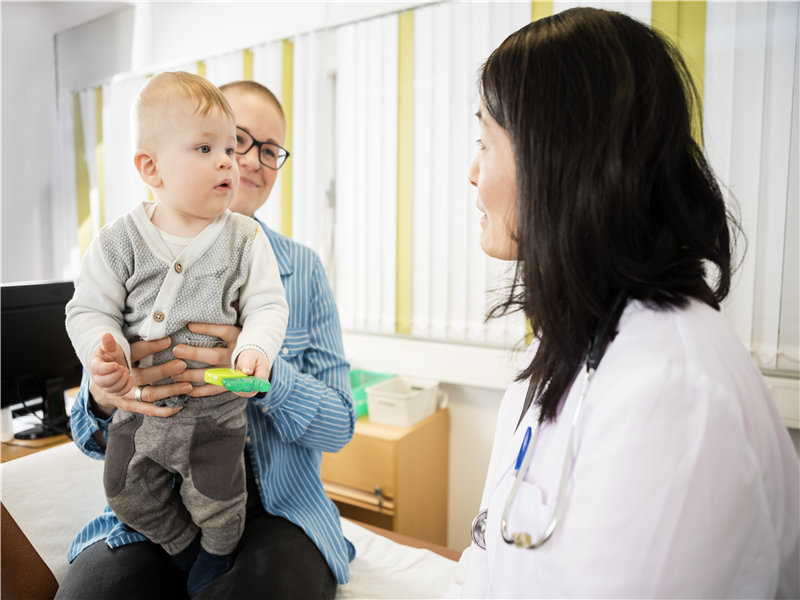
{"points": [[473, 415], [28, 126]]}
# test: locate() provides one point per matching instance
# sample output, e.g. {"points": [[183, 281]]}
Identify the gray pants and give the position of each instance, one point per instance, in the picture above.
{"points": [[204, 444]]}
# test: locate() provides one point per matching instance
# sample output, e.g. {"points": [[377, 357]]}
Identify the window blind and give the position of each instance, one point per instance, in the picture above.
{"points": [[366, 181], [345, 103], [751, 130]]}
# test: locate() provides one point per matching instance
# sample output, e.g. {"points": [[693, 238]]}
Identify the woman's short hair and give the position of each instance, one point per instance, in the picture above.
{"points": [[254, 87], [614, 193]]}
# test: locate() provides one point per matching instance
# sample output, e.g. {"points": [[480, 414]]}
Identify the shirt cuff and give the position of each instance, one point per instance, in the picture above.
{"points": [[282, 384], [102, 422]]}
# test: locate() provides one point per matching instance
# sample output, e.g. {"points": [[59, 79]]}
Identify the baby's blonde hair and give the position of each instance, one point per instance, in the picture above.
{"points": [[156, 95]]}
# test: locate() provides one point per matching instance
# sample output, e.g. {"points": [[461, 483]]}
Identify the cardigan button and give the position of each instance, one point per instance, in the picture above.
{"points": [[158, 316], [178, 267]]}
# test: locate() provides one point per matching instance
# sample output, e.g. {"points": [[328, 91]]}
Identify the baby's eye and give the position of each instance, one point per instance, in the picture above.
{"points": [[204, 149], [479, 143], [229, 151]]}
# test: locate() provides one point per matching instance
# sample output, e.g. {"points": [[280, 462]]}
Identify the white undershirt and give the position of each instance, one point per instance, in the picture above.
{"points": [[175, 244]]}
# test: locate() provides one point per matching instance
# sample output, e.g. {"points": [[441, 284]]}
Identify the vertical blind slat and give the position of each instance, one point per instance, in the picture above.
{"points": [[124, 187], [746, 145], [772, 195], [789, 337], [441, 230], [225, 67], [386, 281], [268, 71], [424, 149], [88, 108], [347, 151], [461, 211]]}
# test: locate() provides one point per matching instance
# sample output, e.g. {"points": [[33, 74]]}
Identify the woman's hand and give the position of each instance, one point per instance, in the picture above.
{"points": [[104, 403], [216, 357]]}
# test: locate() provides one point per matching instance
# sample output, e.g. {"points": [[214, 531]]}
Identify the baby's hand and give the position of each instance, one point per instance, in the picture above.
{"points": [[108, 367], [253, 362]]}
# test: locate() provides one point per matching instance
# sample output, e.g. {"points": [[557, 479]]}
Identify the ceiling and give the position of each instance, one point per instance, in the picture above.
{"points": [[55, 16]]}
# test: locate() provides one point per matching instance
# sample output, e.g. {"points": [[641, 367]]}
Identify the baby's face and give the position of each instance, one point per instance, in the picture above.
{"points": [[195, 157]]}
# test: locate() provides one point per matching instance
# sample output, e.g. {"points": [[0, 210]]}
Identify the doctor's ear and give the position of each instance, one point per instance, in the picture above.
{"points": [[148, 169]]}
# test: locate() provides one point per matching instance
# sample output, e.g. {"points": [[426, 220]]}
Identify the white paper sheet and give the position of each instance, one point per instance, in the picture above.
{"points": [[42, 493]]}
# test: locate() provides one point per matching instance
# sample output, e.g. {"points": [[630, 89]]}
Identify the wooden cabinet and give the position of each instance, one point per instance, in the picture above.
{"points": [[394, 477]]}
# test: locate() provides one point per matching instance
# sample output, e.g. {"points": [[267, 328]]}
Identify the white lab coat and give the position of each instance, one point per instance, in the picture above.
{"points": [[684, 481]]}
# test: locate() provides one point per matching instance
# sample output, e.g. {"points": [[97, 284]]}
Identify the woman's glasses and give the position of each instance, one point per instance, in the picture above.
{"points": [[270, 155]]}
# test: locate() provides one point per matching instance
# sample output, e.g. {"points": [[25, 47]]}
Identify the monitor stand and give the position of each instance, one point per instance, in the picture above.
{"points": [[37, 432], [54, 413]]}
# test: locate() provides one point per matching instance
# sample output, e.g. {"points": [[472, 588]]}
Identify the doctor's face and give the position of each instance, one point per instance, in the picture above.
{"points": [[493, 172]]}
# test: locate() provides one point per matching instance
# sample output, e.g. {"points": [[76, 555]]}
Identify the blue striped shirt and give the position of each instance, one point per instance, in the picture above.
{"points": [[309, 410]]}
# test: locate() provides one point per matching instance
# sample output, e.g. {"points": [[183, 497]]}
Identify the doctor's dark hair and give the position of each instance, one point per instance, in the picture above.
{"points": [[613, 193]]}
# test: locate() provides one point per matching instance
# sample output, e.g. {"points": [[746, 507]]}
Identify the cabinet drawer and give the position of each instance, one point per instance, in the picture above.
{"points": [[363, 500], [364, 463]]}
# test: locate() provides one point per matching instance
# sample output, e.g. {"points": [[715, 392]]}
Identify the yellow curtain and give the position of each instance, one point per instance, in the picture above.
{"points": [[405, 170], [81, 177], [287, 89]]}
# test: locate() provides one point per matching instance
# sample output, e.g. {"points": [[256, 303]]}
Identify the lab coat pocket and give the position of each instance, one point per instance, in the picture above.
{"points": [[530, 513]]}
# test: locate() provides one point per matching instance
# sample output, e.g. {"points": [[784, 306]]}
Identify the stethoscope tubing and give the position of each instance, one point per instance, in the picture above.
{"points": [[521, 539], [597, 350]]}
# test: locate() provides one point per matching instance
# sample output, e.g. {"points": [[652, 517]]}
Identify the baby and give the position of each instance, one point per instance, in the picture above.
{"points": [[183, 258]]}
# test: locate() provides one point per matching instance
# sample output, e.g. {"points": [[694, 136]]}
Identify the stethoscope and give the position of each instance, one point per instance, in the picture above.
{"points": [[523, 540]]}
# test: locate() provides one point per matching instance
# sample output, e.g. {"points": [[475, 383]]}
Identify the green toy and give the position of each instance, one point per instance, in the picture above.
{"points": [[235, 380]]}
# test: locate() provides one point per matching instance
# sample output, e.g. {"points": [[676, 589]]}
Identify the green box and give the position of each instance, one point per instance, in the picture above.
{"points": [[359, 382]]}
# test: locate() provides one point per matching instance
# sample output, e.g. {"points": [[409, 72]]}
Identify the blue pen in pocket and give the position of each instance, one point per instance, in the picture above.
{"points": [[523, 449]]}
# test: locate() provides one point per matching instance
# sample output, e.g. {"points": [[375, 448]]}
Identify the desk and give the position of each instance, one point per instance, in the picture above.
{"points": [[17, 448]]}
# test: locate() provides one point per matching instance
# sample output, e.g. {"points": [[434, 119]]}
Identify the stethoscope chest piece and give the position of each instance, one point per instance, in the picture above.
{"points": [[479, 529]]}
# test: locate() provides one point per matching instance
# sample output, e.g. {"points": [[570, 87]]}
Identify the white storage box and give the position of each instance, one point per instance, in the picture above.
{"points": [[402, 401]]}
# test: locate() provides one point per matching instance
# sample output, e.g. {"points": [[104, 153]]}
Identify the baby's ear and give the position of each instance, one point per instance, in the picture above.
{"points": [[147, 167]]}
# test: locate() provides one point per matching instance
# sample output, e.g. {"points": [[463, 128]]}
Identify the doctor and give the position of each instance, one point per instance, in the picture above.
{"points": [[638, 453]]}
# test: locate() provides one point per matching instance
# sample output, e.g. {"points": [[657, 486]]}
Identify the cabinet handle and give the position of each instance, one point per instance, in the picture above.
{"points": [[379, 496]]}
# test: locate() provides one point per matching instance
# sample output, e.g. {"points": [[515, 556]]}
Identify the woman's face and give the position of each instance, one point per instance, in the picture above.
{"points": [[493, 172], [264, 121]]}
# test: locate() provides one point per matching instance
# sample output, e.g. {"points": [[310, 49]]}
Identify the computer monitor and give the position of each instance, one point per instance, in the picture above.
{"points": [[37, 359]]}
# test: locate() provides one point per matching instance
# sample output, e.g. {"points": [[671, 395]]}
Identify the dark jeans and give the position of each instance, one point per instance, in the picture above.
{"points": [[275, 559]]}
